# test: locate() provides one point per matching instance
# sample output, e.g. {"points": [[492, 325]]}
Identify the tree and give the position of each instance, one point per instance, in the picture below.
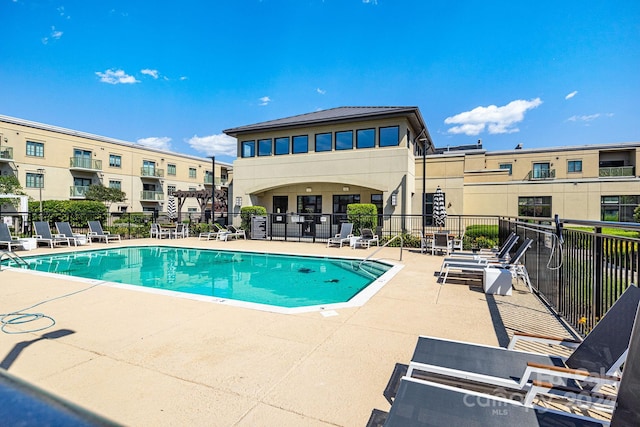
{"points": [[106, 195], [10, 184]]}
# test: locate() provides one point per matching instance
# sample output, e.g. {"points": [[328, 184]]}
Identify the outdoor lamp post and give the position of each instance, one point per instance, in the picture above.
{"points": [[40, 185]]}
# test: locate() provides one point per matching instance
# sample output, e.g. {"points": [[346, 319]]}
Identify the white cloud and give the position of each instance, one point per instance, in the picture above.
{"points": [[494, 119], [321, 91], [571, 95], [588, 117], [214, 144], [370, 1], [115, 77], [148, 72], [160, 143], [265, 100], [182, 78], [55, 35]]}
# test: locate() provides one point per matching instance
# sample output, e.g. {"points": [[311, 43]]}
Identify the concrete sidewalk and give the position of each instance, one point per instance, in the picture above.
{"points": [[146, 360]]}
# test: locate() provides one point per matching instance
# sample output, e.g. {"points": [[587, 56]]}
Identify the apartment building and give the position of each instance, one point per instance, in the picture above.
{"points": [[590, 182], [322, 161], [60, 164]]}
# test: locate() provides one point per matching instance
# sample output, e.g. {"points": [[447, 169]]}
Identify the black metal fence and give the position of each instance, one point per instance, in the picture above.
{"points": [[582, 275]]}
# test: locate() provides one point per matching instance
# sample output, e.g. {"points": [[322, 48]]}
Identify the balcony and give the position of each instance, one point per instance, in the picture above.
{"points": [[85, 164], [151, 196], [151, 172], [536, 175], [219, 181], [617, 171], [78, 191], [6, 154]]}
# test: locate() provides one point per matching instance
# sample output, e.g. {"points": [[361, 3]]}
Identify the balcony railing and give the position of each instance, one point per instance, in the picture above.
{"points": [[78, 191], [85, 163], [151, 172], [219, 181], [617, 171], [541, 174], [152, 196], [6, 153]]}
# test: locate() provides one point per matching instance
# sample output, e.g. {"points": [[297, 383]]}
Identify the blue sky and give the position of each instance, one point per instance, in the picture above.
{"points": [[173, 75]]}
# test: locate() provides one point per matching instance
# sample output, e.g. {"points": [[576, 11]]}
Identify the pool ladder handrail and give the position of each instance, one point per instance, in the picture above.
{"points": [[386, 243], [13, 257]]}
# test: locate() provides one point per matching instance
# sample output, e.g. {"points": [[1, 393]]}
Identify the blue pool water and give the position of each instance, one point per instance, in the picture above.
{"points": [[272, 279]]}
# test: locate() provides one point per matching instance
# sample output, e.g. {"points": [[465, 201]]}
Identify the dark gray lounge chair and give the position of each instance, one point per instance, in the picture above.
{"points": [[96, 232], [603, 351], [424, 403], [44, 235], [64, 229], [6, 238]]}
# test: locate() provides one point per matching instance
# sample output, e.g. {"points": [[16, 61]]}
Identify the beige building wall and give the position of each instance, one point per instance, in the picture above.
{"points": [[59, 145]]}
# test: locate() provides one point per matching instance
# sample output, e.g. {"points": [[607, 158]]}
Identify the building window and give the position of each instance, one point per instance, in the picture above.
{"points": [[340, 203], [171, 169], [574, 166], [428, 207], [344, 140], [507, 166], [192, 189], [389, 136], [280, 204], [618, 208], [377, 201], [115, 184], [365, 138], [248, 148], [115, 161], [192, 172], [541, 171], [171, 189], [264, 147], [192, 210], [282, 146], [536, 207], [35, 180], [323, 142], [300, 144], [310, 205], [35, 149]]}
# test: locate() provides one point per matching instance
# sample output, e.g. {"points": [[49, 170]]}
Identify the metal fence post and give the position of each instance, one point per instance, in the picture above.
{"points": [[598, 257]]}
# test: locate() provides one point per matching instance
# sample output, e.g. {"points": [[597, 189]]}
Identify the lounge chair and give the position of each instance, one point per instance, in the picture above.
{"points": [[367, 238], [426, 403], [501, 252], [236, 232], [602, 351], [345, 235], [7, 239], [513, 265], [502, 256], [44, 235], [64, 229], [96, 232]]}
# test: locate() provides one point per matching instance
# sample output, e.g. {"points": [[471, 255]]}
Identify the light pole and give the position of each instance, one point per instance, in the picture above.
{"points": [[40, 185]]}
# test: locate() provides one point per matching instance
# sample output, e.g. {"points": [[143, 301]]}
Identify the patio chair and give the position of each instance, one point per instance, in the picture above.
{"points": [[44, 235], [345, 235], [64, 229], [236, 232], [180, 232], [425, 243], [602, 352], [96, 232], [427, 403], [457, 242], [500, 252], [367, 238], [441, 243], [7, 239], [158, 232], [513, 265]]}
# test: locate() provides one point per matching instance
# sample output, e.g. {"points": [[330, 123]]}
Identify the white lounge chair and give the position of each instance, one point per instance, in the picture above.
{"points": [[367, 238], [236, 232], [345, 235], [96, 232]]}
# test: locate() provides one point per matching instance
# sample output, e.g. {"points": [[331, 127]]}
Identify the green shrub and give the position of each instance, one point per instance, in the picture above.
{"points": [[481, 236], [76, 212], [408, 241], [362, 215], [246, 212]]}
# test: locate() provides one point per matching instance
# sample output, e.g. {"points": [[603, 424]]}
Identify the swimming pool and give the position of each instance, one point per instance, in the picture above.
{"points": [[272, 280]]}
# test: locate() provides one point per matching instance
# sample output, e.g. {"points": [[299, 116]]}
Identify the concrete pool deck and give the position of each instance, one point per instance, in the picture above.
{"points": [[144, 359]]}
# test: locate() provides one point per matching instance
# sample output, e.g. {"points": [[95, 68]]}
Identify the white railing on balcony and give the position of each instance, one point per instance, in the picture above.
{"points": [[154, 196], [151, 172]]}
